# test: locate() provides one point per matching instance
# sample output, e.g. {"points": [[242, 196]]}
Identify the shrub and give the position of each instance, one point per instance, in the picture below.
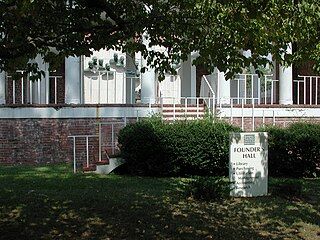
{"points": [[294, 151], [141, 147], [152, 147], [287, 188], [208, 188]]}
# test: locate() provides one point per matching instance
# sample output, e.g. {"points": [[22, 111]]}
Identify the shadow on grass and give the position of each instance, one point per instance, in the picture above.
{"points": [[50, 202]]}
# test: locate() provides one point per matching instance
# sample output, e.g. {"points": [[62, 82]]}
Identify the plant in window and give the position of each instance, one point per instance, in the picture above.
{"points": [[115, 57], [107, 67], [95, 61], [100, 63], [90, 65]]}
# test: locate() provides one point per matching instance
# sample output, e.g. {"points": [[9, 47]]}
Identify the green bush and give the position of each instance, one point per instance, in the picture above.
{"points": [[287, 188], [141, 146], [152, 147], [294, 151], [208, 188]]}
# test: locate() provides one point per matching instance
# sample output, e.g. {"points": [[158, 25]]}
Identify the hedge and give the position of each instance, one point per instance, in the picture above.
{"points": [[154, 148], [294, 151]]}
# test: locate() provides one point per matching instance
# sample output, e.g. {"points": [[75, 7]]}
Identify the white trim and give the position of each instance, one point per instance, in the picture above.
{"points": [[76, 112], [270, 112]]}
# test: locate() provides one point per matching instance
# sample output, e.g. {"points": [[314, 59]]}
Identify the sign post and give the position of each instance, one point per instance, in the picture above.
{"points": [[248, 166]]}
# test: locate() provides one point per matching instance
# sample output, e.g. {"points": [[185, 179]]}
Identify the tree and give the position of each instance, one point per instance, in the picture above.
{"points": [[218, 29]]}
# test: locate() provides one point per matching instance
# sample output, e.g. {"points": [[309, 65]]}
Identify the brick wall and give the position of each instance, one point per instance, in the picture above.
{"points": [[32, 141]]}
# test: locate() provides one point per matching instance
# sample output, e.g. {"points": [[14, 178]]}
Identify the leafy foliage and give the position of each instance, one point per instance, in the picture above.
{"points": [[294, 151], [154, 148], [217, 30], [208, 188], [288, 188]]}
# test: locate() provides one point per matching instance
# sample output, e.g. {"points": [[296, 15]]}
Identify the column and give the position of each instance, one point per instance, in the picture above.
{"points": [[40, 88], [223, 89], [285, 82], [73, 80], [148, 85], [148, 80], [44, 83], [130, 80], [2, 87], [188, 78]]}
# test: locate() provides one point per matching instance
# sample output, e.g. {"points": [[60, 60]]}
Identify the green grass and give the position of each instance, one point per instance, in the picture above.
{"points": [[50, 202]]}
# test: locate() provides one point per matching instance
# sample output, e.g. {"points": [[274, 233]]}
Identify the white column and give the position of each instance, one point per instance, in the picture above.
{"points": [[188, 78], [34, 92], [285, 82], [223, 89], [193, 92], [130, 79], [148, 85], [73, 80], [44, 83], [148, 80], [2, 87]]}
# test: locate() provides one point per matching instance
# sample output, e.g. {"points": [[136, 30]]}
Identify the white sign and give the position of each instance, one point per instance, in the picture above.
{"points": [[248, 167]]}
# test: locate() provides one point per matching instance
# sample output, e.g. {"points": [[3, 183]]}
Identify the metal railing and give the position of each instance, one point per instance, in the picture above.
{"points": [[244, 101], [23, 90], [250, 86], [114, 139], [133, 96], [208, 94], [54, 80], [112, 87], [74, 137], [306, 90], [183, 107]]}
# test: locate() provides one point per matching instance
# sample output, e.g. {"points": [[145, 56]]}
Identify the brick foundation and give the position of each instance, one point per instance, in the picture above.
{"points": [[33, 141]]}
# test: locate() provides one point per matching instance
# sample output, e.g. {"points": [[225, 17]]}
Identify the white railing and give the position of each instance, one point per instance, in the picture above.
{"points": [[230, 105], [306, 90], [133, 97], [22, 90], [208, 94], [110, 87], [15, 89], [183, 107], [251, 86], [54, 81], [74, 137], [25, 91], [115, 126], [103, 79], [103, 141]]}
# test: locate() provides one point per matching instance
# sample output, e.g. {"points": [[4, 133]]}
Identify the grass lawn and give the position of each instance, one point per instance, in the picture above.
{"points": [[50, 202]]}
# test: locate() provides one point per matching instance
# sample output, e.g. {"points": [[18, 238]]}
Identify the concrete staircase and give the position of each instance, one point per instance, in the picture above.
{"points": [[172, 112], [104, 167]]}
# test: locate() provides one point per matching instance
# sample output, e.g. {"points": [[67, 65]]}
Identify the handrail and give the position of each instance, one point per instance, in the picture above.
{"points": [[208, 84], [74, 149]]}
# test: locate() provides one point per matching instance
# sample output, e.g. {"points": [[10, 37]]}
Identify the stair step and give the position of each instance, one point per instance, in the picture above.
{"points": [[183, 110], [90, 168], [183, 105], [103, 162], [182, 114], [181, 118]]}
